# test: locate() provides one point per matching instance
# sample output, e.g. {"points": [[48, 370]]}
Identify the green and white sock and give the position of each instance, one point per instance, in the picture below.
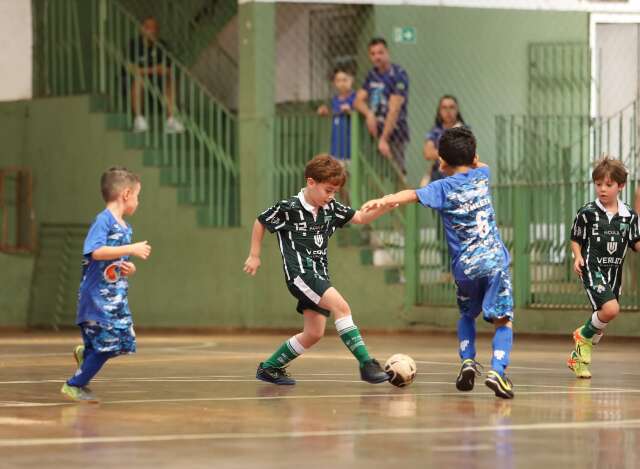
{"points": [[351, 337], [288, 351], [593, 325]]}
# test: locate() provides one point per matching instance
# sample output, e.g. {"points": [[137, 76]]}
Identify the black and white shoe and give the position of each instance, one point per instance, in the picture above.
{"points": [[467, 376], [272, 374], [372, 372]]}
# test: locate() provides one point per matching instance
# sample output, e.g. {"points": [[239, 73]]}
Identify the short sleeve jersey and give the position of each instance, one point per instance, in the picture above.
{"points": [[379, 87], [303, 238], [103, 290], [464, 202], [604, 238], [341, 127]]}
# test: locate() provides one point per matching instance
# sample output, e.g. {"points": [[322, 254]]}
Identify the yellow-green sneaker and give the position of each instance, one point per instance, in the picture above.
{"points": [[583, 346], [500, 385], [580, 368], [78, 394], [78, 354]]}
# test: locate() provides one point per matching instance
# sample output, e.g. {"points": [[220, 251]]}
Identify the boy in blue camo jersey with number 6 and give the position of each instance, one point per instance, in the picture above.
{"points": [[479, 258], [103, 309]]}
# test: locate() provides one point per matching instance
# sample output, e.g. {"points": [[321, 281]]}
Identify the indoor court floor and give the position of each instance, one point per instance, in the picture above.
{"points": [[192, 401]]}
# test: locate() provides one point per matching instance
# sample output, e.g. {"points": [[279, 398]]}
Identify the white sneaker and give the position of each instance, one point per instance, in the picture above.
{"points": [[140, 124], [173, 126]]}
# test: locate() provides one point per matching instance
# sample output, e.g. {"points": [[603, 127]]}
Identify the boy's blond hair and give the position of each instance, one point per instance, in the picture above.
{"points": [[611, 168], [115, 180]]}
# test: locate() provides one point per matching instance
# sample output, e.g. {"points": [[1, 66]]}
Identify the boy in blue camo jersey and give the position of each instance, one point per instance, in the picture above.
{"points": [[479, 258], [103, 309]]}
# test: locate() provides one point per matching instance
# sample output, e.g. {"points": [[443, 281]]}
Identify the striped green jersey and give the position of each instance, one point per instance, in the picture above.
{"points": [[303, 233], [604, 237]]}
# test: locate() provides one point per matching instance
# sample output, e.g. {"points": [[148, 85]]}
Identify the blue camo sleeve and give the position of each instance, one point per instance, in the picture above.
{"points": [[431, 195], [97, 235]]}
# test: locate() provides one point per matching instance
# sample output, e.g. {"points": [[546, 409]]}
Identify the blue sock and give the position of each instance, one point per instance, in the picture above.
{"points": [[467, 337], [91, 364], [502, 343]]}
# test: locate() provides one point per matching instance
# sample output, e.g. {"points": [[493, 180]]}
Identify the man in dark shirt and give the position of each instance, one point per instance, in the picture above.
{"points": [[147, 57], [383, 101]]}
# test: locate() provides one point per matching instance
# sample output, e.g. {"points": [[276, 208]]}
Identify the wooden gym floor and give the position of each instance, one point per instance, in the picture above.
{"points": [[192, 401]]}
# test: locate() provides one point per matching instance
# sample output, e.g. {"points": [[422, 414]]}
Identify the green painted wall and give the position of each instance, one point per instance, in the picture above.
{"points": [[478, 55], [194, 276], [15, 280]]}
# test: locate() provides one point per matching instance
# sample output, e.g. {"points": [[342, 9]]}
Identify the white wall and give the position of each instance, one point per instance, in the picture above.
{"points": [[15, 59]]}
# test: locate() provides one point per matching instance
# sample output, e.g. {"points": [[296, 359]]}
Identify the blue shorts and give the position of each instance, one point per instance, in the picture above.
{"points": [[491, 295], [105, 338]]}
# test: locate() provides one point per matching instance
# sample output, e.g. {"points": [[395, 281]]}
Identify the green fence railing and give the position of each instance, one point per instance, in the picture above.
{"points": [[202, 161]]}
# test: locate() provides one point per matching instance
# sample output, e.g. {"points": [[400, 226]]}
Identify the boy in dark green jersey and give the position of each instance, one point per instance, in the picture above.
{"points": [[303, 224], [601, 234]]}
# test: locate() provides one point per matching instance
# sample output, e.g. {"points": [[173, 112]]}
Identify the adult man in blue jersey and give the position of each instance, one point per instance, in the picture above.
{"points": [[383, 101]]}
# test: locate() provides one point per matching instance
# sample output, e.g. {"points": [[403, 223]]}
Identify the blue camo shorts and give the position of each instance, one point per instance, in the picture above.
{"points": [[106, 338], [491, 295]]}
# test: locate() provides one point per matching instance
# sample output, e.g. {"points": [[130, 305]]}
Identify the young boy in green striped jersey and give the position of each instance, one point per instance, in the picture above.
{"points": [[303, 224], [601, 234]]}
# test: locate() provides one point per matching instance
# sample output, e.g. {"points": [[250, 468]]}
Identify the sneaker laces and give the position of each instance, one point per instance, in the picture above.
{"points": [[477, 367], [281, 372]]}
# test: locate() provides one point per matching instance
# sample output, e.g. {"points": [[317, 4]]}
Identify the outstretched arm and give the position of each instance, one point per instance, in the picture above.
{"points": [[391, 201], [363, 217], [252, 263], [109, 253]]}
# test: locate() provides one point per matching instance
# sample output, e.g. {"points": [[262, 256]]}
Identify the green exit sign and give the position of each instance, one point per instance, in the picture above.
{"points": [[405, 34]]}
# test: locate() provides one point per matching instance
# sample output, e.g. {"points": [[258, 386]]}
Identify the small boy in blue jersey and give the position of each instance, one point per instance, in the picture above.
{"points": [[103, 309], [341, 107], [479, 258]]}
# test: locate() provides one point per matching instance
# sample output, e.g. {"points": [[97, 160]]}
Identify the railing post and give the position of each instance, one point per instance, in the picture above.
{"points": [[355, 170], [411, 256], [521, 261], [102, 19]]}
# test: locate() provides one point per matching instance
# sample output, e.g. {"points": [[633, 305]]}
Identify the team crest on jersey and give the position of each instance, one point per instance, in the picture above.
{"points": [[318, 239], [612, 246], [112, 273]]}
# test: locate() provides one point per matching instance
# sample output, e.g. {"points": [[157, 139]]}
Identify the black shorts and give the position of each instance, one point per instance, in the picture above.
{"points": [[308, 290], [600, 290]]}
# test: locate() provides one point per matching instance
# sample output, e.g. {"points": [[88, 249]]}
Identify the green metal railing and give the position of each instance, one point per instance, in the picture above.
{"points": [[202, 162]]}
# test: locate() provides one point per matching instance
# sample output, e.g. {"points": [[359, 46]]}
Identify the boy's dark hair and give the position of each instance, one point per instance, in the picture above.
{"points": [[377, 40], [116, 179], [325, 168], [609, 167], [457, 146], [341, 69]]}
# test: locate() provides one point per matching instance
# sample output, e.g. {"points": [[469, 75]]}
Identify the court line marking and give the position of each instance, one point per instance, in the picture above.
{"points": [[244, 379], [589, 425], [400, 395]]}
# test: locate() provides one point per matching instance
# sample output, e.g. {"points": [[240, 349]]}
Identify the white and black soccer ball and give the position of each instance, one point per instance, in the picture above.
{"points": [[401, 369]]}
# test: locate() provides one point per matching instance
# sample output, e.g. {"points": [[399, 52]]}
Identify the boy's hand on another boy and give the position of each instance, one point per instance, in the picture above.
{"points": [[251, 265], [141, 250], [578, 264], [127, 268], [374, 204]]}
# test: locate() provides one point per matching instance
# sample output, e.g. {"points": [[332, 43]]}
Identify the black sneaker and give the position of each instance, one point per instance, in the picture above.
{"points": [[500, 385], [272, 374], [467, 376], [372, 372]]}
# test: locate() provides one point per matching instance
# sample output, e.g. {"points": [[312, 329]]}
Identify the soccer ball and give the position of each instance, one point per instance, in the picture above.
{"points": [[401, 370]]}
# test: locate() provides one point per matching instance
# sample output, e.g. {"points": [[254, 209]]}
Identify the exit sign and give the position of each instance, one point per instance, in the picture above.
{"points": [[405, 34]]}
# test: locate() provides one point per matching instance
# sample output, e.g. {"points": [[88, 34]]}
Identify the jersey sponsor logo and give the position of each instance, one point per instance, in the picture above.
{"points": [[612, 247], [600, 288], [469, 207], [112, 273], [609, 260], [316, 252], [318, 239]]}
